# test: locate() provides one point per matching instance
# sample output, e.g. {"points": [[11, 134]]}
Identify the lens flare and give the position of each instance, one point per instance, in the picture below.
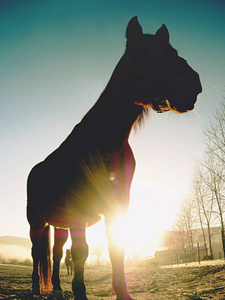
{"points": [[119, 230]]}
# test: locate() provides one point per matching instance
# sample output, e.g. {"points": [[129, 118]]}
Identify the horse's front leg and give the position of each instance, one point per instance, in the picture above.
{"points": [[116, 253], [79, 251], [60, 238]]}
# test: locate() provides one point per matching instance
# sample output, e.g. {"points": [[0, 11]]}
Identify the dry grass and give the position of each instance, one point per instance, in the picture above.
{"points": [[196, 283]]}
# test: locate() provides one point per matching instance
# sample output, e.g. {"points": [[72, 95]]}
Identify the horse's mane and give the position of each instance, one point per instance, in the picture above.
{"points": [[141, 120]]}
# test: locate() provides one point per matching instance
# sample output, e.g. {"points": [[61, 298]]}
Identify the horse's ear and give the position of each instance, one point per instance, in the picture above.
{"points": [[162, 34], [134, 30]]}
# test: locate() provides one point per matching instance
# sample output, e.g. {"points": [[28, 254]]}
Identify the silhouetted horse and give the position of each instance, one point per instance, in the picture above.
{"points": [[91, 172], [69, 262]]}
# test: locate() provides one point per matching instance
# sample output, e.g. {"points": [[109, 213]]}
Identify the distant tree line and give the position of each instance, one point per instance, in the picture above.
{"points": [[204, 208], [16, 261]]}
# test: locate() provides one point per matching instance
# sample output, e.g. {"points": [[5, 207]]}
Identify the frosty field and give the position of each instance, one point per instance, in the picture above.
{"points": [[205, 282]]}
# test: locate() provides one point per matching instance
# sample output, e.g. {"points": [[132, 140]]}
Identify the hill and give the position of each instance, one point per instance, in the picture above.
{"points": [[14, 240], [15, 247]]}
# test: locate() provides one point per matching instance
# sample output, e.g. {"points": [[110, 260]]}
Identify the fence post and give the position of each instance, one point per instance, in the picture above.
{"points": [[177, 260], [198, 253]]}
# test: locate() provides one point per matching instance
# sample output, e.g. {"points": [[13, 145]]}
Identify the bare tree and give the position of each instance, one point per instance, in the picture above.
{"points": [[204, 203], [214, 134], [137, 253], [170, 240], [98, 251], [213, 178], [185, 223], [207, 204], [180, 236], [189, 220], [214, 163]]}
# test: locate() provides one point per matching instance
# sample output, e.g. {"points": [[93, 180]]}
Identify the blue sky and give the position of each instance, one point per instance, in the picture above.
{"points": [[56, 58]]}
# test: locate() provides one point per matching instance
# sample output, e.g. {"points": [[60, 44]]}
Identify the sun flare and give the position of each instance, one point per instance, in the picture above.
{"points": [[141, 229]]}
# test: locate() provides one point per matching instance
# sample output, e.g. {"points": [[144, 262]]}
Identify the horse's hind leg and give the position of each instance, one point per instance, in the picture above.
{"points": [[35, 236], [37, 226], [79, 251], [60, 238]]}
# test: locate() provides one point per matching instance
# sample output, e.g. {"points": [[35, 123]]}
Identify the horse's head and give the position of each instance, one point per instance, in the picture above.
{"points": [[156, 75]]}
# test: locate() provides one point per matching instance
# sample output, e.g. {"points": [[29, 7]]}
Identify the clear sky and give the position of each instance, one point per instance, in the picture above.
{"points": [[56, 58]]}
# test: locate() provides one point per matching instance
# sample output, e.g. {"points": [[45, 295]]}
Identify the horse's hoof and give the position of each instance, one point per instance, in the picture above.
{"points": [[83, 298], [36, 291], [58, 294]]}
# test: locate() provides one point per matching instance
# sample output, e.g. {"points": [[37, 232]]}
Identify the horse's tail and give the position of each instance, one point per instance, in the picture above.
{"points": [[45, 261]]}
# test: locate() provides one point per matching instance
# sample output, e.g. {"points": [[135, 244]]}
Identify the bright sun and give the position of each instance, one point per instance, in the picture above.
{"points": [[150, 213], [126, 232]]}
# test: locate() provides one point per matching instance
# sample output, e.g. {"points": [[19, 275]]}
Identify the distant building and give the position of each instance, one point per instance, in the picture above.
{"points": [[173, 241]]}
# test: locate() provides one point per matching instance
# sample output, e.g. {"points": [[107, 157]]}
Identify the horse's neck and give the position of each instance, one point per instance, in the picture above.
{"points": [[114, 112], [107, 125]]}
